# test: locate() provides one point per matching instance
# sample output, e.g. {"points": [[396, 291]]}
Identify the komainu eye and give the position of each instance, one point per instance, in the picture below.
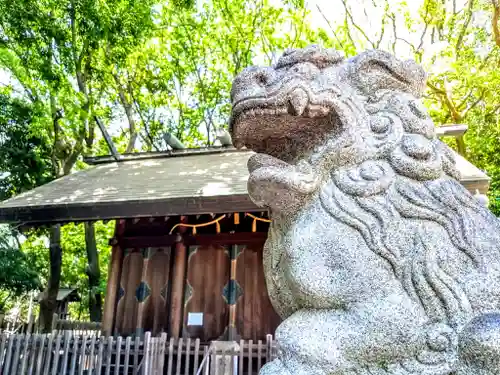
{"points": [[261, 78], [305, 69]]}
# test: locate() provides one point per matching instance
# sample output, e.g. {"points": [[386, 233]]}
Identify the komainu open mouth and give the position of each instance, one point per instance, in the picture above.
{"points": [[283, 135], [287, 110], [286, 126], [282, 131]]}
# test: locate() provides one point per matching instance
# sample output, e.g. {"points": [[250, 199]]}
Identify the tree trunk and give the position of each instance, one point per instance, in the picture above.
{"points": [[48, 304], [129, 112], [94, 274]]}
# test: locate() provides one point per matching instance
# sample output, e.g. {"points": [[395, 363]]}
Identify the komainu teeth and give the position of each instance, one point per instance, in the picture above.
{"points": [[254, 112], [316, 110], [299, 101], [298, 105]]}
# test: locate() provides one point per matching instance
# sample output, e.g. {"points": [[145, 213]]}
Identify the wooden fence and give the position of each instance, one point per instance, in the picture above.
{"points": [[77, 327], [70, 354], [58, 325]]}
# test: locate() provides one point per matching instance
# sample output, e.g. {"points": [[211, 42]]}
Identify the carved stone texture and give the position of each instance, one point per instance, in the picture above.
{"points": [[377, 258]]}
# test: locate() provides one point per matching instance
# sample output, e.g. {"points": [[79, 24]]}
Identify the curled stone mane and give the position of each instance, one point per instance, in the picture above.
{"points": [[415, 178], [378, 259]]}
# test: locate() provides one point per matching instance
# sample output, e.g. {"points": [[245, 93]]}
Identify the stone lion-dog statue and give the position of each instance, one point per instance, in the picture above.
{"points": [[378, 259]]}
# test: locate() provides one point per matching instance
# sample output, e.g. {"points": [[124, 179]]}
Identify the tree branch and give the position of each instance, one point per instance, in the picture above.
{"points": [[329, 25], [464, 101], [395, 32], [348, 13], [210, 123], [82, 87], [447, 100], [382, 31], [127, 106], [468, 19], [348, 30], [145, 122], [73, 157], [426, 27], [234, 23], [474, 104], [396, 37], [29, 91], [494, 110], [299, 34]]}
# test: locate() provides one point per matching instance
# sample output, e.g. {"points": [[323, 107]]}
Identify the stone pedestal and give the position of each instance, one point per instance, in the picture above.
{"points": [[224, 358], [479, 348]]}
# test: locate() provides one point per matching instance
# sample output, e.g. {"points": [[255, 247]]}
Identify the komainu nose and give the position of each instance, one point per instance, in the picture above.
{"points": [[253, 77]]}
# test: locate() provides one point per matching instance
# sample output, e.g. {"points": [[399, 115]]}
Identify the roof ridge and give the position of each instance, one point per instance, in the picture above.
{"points": [[105, 159]]}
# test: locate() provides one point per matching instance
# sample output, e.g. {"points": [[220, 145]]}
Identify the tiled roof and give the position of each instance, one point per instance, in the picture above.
{"points": [[64, 293], [156, 186]]}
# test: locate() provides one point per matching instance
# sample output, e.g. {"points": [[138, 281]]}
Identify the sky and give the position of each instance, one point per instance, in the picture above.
{"points": [[368, 16]]}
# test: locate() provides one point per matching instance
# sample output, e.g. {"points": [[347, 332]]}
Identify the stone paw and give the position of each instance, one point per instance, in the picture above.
{"points": [[479, 344], [293, 367]]}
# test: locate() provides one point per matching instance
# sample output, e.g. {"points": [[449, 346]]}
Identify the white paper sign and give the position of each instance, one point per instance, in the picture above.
{"points": [[195, 319]]}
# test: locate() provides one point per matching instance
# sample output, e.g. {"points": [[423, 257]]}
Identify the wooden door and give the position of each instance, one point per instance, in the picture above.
{"points": [[206, 311], [156, 274], [143, 293], [126, 310], [255, 316]]}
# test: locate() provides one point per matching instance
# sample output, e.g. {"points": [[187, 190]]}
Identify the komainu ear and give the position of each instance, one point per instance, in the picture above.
{"points": [[375, 70]]}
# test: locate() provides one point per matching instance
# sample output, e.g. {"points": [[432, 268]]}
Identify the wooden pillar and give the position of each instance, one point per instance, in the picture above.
{"points": [[114, 275], [461, 145], [178, 281]]}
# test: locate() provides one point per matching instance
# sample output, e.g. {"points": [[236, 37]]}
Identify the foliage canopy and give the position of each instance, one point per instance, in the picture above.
{"points": [[17, 275]]}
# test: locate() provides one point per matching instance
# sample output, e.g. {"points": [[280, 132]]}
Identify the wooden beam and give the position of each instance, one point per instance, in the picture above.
{"points": [[126, 209], [93, 160], [232, 334], [108, 139], [195, 240], [451, 130]]}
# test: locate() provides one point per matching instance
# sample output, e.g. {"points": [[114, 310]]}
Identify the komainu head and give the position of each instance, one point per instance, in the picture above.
{"points": [[316, 111]]}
